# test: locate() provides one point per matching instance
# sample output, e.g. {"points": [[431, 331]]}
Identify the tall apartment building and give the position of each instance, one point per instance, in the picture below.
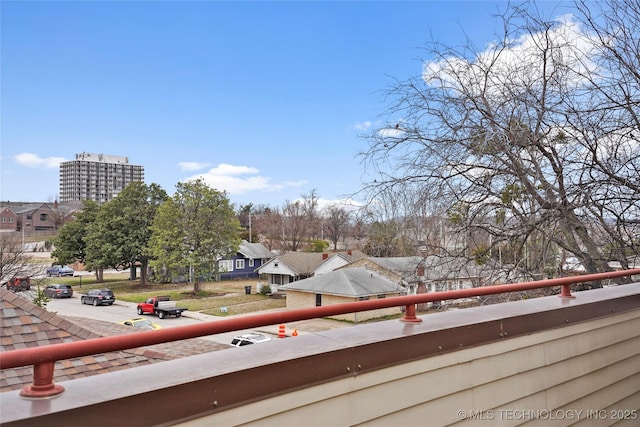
{"points": [[97, 177]]}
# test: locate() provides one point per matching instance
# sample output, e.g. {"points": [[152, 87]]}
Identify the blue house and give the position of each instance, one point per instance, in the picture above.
{"points": [[244, 265]]}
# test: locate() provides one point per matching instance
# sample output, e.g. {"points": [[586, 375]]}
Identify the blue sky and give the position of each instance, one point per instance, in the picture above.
{"points": [[269, 100]]}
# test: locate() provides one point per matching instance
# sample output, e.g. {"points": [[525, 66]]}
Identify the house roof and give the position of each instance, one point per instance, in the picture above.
{"points": [[25, 325], [351, 282], [306, 263], [28, 207], [23, 207], [435, 267], [405, 266], [255, 250], [302, 262], [446, 267]]}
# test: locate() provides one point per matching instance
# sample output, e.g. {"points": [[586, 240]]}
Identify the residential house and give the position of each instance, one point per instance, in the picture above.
{"points": [[433, 273], [402, 270], [246, 262], [436, 273], [8, 220], [68, 212], [20, 220], [342, 286], [23, 325], [293, 266], [36, 216]]}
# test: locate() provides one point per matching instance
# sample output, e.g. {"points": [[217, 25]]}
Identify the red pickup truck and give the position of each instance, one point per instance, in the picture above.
{"points": [[160, 306], [18, 284]]}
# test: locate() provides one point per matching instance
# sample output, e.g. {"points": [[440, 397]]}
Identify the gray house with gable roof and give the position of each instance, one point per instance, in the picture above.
{"points": [[341, 286]]}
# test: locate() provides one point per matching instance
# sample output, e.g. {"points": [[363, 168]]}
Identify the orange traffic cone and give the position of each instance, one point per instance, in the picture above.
{"points": [[294, 333], [281, 333]]}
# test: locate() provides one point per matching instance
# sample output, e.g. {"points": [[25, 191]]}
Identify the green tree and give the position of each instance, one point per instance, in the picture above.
{"points": [[70, 244], [119, 236], [192, 231]]}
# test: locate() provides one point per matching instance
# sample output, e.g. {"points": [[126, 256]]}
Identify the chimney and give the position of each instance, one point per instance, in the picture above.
{"points": [[349, 252], [325, 256], [420, 271]]}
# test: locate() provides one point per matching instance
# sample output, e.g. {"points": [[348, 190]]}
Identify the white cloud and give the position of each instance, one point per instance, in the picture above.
{"points": [[241, 180], [348, 204], [520, 61], [31, 160], [224, 169], [363, 126], [192, 166], [391, 133]]}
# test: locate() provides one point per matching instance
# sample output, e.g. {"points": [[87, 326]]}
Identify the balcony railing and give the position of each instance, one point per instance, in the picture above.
{"points": [[43, 358]]}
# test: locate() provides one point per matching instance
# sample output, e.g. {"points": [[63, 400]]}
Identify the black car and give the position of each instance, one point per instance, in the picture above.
{"points": [[98, 297], [58, 291]]}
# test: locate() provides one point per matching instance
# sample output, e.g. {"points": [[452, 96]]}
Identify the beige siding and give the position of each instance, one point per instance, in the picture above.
{"points": [[588, 374], [300, 299], [296, 299]]}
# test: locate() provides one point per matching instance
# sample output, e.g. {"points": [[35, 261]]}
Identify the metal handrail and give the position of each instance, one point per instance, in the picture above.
{"points": [[43, 358]]}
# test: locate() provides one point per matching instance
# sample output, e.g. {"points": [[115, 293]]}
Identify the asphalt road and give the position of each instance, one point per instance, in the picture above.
{"points": [[122, 310]]}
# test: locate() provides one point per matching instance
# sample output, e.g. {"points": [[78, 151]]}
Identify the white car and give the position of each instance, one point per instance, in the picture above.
{"points": [[252, 338]]}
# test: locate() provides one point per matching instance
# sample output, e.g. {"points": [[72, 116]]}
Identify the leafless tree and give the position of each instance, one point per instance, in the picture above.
{"points": [[532, 139], [311, 215], [292, 226], [295, 224], [14, 261], [336, 223], [386, 218], [285, 228], [268, 223], [359, 230]]}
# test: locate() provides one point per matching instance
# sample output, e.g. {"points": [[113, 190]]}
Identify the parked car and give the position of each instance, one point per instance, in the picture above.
{"points": [[98, 297], [59, 271], [18, 284], [58, 291], [141, 323], [247, 339]]}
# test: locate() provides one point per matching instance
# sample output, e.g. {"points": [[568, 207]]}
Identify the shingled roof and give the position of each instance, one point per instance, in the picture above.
{"points": [[306, 263], [350, 282], [255, 250], [25, 325]]}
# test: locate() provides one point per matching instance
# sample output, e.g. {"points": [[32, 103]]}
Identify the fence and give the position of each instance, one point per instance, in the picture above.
{"points": [[43, 358]]}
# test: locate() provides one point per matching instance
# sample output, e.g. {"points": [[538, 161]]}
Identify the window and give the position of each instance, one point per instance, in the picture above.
{"points": [[43, 217], [363, 298], [225, 265], [251, 262], [318, 300], [239, 264]]}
